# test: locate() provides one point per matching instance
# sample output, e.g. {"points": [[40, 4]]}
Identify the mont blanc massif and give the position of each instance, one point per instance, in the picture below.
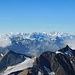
{"points": [[37, 54]]}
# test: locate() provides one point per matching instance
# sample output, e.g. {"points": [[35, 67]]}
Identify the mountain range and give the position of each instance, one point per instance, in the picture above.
{"points": [[37, 54], [60, 62], [35, 43]]}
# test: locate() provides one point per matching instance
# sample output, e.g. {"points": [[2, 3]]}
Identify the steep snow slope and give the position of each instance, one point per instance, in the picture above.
{"points": [[26, 64]]}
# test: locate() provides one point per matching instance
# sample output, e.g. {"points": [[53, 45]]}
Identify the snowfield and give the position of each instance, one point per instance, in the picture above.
{"points": [[26, 64]]}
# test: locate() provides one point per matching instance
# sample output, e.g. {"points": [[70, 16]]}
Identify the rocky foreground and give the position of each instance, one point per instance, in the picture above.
{"points": [[61, 62]]}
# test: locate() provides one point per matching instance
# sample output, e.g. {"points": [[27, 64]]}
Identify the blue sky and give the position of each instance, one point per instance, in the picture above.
{"points": [[37, 16]]}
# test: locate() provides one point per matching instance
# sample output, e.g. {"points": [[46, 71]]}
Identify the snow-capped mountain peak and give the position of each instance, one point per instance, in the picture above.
{"points": [[66, 50]]}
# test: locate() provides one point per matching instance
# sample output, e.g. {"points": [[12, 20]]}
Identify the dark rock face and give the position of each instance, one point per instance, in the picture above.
{"points": [[52, 63], [65, 63], [10, 59], [60, 64]]}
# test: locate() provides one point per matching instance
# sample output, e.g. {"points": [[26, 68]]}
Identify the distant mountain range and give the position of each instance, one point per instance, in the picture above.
{"points": [[32, 44], [60, 62]]}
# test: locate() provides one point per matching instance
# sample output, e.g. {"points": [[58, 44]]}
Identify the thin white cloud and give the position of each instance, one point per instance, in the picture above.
{"points": [[4, 41]]}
